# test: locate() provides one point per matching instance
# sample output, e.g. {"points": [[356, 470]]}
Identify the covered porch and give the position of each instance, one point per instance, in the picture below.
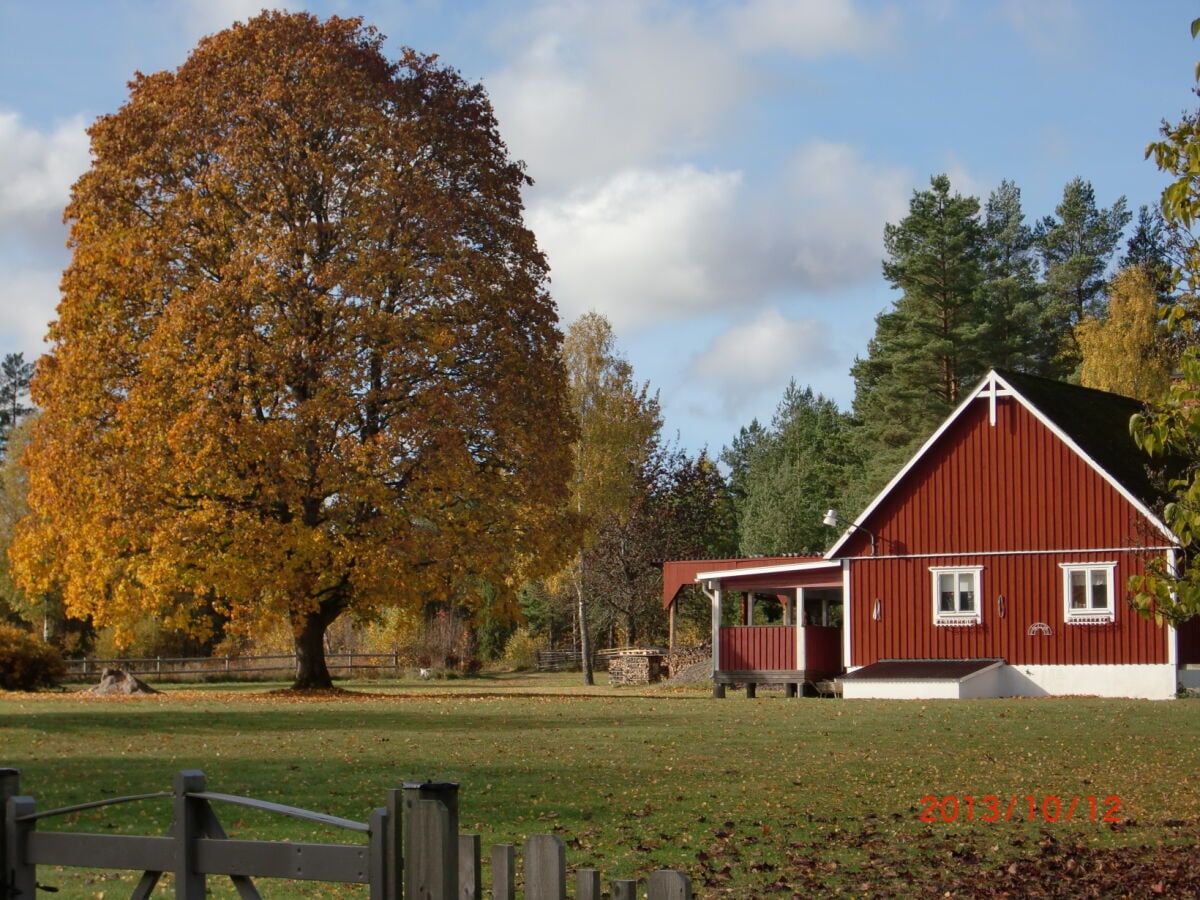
{"points": [[788, 615]]}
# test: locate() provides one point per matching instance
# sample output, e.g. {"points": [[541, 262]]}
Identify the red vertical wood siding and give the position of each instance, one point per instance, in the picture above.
{"points": [[1014, 488], [758, 647], [823, 649]]}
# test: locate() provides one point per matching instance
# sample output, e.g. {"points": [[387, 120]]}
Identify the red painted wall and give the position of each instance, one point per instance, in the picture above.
{"points": [[758, 647], [1012, 488], [823, 649]]}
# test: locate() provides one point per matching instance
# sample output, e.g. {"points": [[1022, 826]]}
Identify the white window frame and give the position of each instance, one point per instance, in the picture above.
{"points": [[1090, 615], [957, 617]]}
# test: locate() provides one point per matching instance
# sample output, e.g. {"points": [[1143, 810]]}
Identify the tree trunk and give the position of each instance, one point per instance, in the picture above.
{"points": [[585, 643], [311, 672]]}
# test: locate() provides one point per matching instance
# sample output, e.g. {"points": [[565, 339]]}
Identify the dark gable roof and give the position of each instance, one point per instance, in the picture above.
{"points": [[1098, 422]]}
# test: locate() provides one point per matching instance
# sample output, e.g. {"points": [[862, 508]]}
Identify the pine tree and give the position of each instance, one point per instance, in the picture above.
{"points": [[1012, 298], [15, 375], [789, 475], [1149, 247], [934, 341], [1076, 249]]}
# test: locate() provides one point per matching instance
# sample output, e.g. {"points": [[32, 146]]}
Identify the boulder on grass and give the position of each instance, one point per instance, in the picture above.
{"points": [[120, 682]]}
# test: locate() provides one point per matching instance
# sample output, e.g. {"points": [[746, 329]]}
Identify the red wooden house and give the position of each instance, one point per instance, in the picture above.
{"points": [[994, 564]]}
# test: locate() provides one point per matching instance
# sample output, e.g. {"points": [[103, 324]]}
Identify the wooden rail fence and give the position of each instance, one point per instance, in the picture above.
{"points": [[184, 667], [426, 858], [206, 666], [569, 660]]}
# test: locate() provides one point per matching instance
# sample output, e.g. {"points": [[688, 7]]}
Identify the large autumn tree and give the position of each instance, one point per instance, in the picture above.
{"points": [[305, 361]]}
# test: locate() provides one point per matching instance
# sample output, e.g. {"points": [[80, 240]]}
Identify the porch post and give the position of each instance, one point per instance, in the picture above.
{"points": [[800, 660], [847, 618], [671, 627], [718, 689], [798, 605]]}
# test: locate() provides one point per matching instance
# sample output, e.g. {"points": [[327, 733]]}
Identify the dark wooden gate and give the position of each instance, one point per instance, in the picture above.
{"points": [[441, 864]]}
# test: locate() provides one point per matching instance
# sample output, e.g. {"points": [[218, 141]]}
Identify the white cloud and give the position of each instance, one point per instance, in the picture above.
{"points": [[839, 205], [643, 247], [652, 246], [759, 356], [28, 298], [603, 87], [37, 169], [811, 30], [1052, 30], [761, 352], [204, 17]]}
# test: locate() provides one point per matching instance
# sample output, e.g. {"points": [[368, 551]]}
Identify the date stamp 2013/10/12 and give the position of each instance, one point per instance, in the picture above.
{"points": [[1028, 808]]}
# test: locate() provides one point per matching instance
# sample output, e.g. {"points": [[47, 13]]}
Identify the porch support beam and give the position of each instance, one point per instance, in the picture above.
{"points": [[713, 589], [800, 660]]}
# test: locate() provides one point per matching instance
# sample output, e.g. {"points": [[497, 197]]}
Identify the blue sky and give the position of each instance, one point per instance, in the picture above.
{"points": [[712, 176]]}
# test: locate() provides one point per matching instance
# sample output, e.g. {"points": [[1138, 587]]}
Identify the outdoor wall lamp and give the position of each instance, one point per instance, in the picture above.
{"points": [[831, 519]]}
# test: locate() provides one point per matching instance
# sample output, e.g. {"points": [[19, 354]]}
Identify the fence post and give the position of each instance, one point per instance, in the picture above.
{"points": [[470, 868], [545, 868], [394, 845], [20, 878], [10, 786], [504, 872], [587, 884], [377, 874], [189, 826], [431, 840], [624, 889], [667, 884]]}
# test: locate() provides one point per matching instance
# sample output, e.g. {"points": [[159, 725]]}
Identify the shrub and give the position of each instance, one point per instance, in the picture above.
{"points": [[27, 663], [520, 653]]}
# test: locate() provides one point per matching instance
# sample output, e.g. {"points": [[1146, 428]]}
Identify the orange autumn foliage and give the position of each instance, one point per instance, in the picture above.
{"points": [[305, 360]]}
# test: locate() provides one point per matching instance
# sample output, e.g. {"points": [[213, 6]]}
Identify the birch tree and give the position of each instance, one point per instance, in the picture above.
{"points": [[619, 424]]}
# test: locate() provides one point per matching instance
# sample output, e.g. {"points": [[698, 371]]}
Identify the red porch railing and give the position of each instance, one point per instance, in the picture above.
{"points": [[773, 647], [748, 647]]}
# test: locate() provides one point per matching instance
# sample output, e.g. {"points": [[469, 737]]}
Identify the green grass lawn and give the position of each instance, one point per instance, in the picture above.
{"points": [[751, 797]]}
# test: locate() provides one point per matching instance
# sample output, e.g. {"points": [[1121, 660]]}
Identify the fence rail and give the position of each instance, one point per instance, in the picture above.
{"points": [[427, 858], [569, 660], [202, 666], [285, 664]]}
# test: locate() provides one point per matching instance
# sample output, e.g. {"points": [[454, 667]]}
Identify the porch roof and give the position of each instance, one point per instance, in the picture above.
{"points": [[812, 571], [680, 572]]}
